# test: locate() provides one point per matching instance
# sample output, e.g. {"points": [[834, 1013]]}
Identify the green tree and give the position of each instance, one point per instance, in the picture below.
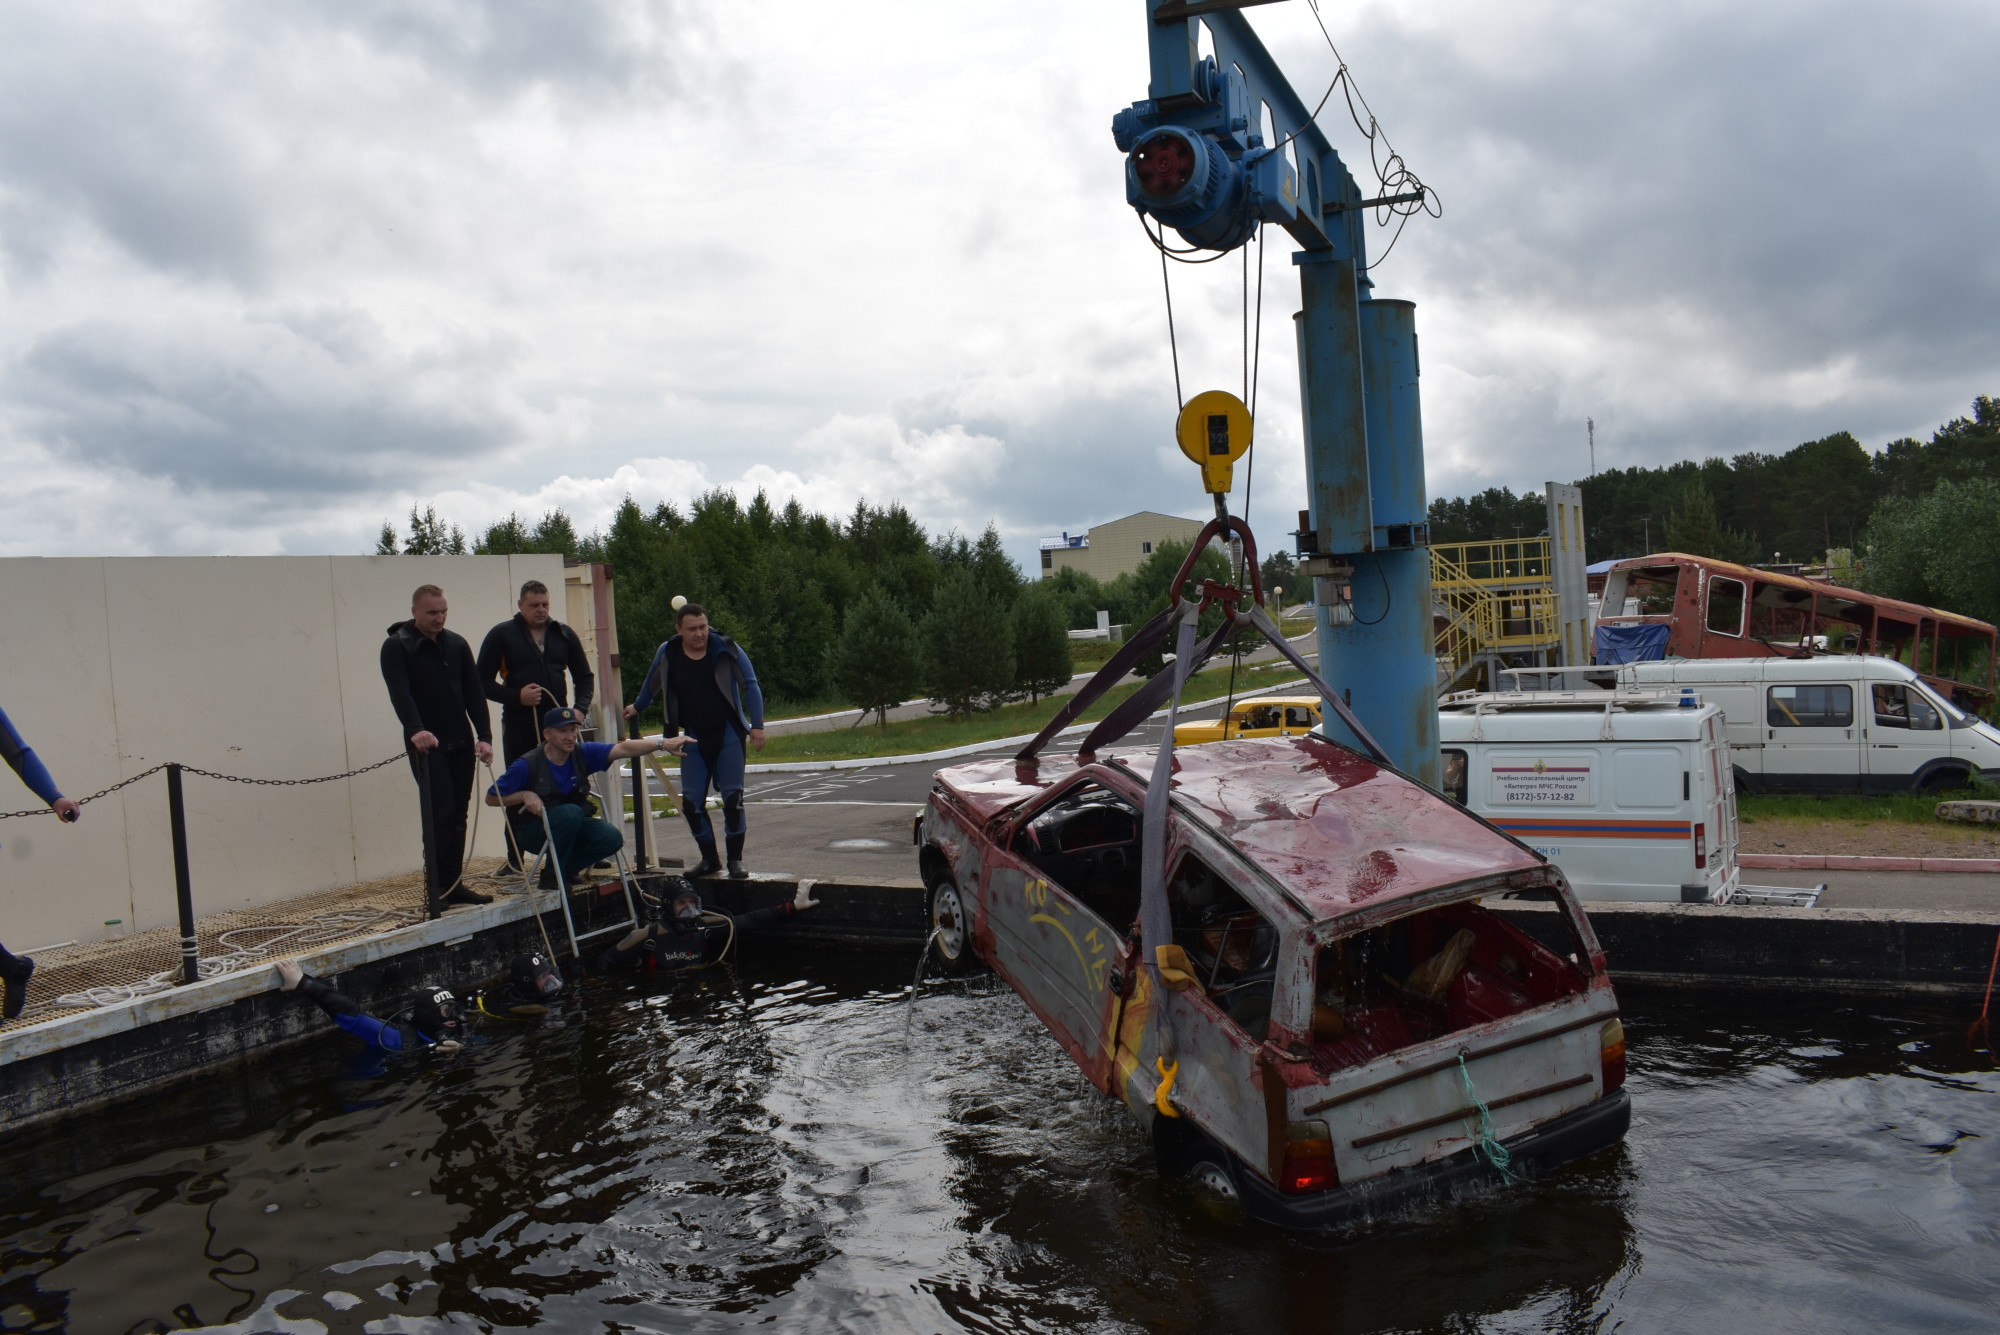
{"points": [[878, 661], [512, 536], [1941, 550], [968, 646], [1042, 663], [1692, 527], [428, 536]]}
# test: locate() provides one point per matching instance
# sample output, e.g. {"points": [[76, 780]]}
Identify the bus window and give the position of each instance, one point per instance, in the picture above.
{"points": [[1811, 707], [1725, 606]]}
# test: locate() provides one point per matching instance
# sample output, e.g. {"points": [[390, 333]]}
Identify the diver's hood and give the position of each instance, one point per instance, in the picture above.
{"points": [[535, 975]]}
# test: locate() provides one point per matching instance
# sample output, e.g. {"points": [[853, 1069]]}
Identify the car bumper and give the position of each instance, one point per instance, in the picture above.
{"points": [[1542, 1150]]}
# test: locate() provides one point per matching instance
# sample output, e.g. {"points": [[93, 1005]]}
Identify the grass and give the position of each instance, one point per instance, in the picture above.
{"points": [[938, 733], [1910, 808]]}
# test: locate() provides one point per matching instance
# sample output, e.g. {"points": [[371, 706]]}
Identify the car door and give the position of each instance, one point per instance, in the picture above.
{"points": [[1219, 1026], [1811, 741], [1055, 942], [1905, 733], [1300, 720]]}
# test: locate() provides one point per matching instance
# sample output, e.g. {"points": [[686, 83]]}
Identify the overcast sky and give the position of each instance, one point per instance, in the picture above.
{"points": [[269, 273]]}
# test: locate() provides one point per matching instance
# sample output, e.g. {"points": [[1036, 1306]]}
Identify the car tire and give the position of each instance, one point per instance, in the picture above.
{"points": [[1944, 781], [951, 929], [1210, 1179]]}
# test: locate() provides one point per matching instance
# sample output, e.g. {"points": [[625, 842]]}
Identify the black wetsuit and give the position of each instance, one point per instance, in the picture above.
{"points": [[668, 947], [434, 687], [509, 659]]}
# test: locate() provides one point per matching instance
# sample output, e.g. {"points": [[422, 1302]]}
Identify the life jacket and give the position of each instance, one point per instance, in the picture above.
{"points": [[542, 781]]}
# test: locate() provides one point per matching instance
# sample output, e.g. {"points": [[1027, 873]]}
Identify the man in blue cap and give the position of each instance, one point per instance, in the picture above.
{"points": [[15, 970], [555, 778]]}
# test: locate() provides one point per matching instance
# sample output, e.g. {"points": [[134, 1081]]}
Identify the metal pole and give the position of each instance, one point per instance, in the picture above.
{"points": [[183, 888], [642, 811], [432, 908]]}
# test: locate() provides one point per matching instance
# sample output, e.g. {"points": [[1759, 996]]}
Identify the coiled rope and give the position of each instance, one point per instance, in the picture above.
{"points": [[1489, 1146]]}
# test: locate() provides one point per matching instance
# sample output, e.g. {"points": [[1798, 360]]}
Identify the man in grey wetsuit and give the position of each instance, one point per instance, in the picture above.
{"points": [[15, 970]]}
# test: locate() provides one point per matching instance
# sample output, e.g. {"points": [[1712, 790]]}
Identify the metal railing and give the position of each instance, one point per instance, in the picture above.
{"points": [[1494, 597], [177, 821]]}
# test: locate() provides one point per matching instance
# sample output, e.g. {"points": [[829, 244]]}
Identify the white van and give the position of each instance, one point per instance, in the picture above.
{"points": [[1628, 791], [1833, 723]]}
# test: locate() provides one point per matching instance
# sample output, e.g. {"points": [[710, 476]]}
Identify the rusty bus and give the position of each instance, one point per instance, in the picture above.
{"points": [[1717, 609]]}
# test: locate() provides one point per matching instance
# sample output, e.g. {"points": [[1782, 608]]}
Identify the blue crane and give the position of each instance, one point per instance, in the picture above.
{"points": [[1197, 161]]}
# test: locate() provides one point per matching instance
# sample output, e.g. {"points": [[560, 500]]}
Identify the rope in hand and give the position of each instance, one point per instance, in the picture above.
{"points": [[1489, 1146], [207, 774]]}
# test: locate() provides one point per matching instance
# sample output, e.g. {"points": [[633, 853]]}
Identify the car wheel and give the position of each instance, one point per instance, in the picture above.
{"points": [[1944, 781], [951, 928]]}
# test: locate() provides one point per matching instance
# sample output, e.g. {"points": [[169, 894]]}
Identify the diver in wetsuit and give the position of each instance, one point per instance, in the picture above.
{"points": [[437, 1018], [688, 937], [15, 970]]}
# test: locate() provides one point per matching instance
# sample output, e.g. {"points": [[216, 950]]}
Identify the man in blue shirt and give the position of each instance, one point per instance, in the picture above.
{"points": [[709, 691], [20, 757], [555, 777]]}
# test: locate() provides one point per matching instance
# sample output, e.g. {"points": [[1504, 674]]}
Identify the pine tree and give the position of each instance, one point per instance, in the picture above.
{"points": [[1041, 645], [1692, 527], [968, 647], [877, 662], [385, 545]]}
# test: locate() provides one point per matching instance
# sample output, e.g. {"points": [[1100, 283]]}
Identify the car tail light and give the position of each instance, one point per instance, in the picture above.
{"points": [[1308, 1159], [1611, 1051], [1700, 845]]}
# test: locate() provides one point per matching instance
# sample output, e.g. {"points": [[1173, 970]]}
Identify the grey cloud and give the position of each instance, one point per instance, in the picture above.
{"points": [[502, 46], [1699, 193], [295, 403]]}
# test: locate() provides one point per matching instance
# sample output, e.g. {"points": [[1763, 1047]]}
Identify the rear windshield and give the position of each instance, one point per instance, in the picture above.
{"points": [[1435, 973]]}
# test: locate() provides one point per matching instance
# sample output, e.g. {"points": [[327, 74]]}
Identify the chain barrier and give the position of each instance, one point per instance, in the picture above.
{"points": [[208, 774]]}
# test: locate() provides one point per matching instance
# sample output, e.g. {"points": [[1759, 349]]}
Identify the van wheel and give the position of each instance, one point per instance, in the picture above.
{"points": [[1945, 781], [951, 929]]}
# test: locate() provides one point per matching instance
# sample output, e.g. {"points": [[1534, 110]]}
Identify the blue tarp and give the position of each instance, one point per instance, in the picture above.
{"points": [[1645, 642]]}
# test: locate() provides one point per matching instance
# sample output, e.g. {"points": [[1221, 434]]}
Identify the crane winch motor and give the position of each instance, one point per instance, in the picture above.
{"points": [[1200, 168]]}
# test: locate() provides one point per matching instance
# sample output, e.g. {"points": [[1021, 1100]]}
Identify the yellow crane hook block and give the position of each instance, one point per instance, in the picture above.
{"points": [[1214, 431]]}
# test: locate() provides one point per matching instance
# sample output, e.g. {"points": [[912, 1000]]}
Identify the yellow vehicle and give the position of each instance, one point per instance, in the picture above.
{"points": [[1266, 716]]}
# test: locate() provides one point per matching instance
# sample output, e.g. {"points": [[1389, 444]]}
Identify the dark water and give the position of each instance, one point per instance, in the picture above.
{"points": [[754, 1150]]}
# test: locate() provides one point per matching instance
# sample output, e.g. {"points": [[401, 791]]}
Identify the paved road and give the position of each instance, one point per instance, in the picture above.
{"points": [[905, 785]]}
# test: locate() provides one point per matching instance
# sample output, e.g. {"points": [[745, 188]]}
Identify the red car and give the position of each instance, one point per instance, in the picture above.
{"points": [[1348, 1027]]}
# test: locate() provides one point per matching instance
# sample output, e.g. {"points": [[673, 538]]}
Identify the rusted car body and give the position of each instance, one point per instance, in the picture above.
{"points": [[1358, 1028], [1716, 609]]}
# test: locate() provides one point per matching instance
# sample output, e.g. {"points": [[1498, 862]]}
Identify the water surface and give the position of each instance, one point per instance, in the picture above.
{"points": [[786, 1143]]}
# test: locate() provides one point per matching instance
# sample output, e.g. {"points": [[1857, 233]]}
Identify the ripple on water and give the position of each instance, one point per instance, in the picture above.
{"points": [[757, 1148]]}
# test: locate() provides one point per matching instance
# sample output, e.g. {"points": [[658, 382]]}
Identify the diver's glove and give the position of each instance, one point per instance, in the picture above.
{"points": [[803, 900]]}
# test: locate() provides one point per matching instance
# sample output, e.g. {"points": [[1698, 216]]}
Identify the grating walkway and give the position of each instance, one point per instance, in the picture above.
{"points": [[76, 978]]}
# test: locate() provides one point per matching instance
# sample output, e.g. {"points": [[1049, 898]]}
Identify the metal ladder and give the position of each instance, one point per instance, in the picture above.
{"points": [[532, 878]]}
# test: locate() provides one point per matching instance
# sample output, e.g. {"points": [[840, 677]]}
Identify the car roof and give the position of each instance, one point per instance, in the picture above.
{"points": [[1312, 700], [1335, 830]]}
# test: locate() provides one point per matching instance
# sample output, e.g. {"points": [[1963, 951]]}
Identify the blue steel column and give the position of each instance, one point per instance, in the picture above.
{"points": [[1401, 705], [1365, 476]]}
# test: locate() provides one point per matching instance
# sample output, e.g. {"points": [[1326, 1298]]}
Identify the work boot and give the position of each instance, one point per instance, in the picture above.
{"points": [[15, 977], [736, 872], [709, 864], [547, 880], [465, 896]]}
